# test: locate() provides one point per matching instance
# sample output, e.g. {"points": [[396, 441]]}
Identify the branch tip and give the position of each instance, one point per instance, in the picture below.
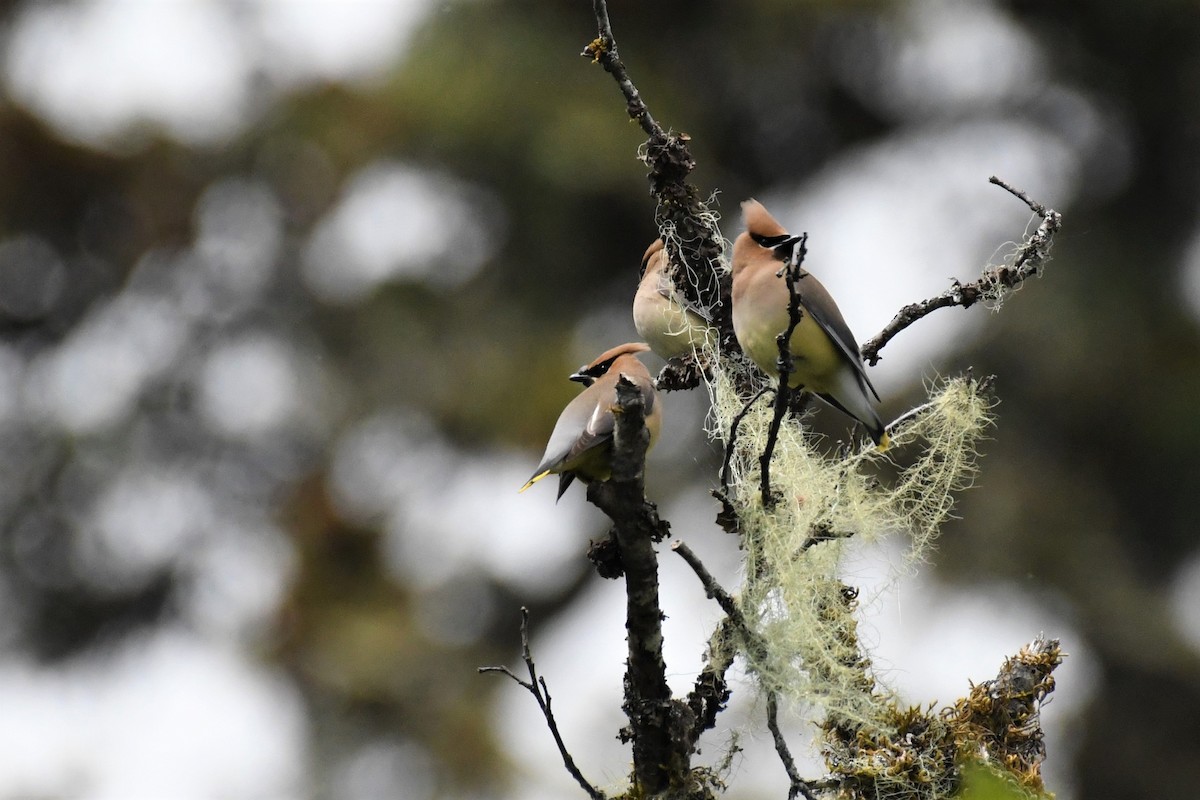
{"points": [[536, 686], [1031, 256]]}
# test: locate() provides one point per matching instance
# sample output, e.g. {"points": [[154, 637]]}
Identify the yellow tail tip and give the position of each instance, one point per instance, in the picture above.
{"points": [[533, 480], [885, 442]]}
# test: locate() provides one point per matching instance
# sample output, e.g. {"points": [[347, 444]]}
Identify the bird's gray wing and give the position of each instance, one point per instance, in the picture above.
{"points": [[816, 300]]}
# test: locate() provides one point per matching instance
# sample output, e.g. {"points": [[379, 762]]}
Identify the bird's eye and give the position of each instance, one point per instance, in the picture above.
{"points": [[770, 241]]}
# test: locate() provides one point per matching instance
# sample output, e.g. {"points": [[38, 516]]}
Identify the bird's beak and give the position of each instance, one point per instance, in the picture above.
{"points": [[581, 377], [786, 249]]}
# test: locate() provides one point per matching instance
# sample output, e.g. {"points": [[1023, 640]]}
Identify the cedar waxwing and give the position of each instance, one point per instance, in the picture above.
{"points": [[825, 356], [581, 444], [659, 314]]}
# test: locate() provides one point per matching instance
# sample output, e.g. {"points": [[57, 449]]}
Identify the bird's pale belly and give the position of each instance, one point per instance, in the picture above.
{"points": [[815, 358]]}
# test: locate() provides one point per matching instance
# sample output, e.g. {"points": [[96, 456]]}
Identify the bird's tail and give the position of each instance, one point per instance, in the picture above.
{"points": [[852, 399]]}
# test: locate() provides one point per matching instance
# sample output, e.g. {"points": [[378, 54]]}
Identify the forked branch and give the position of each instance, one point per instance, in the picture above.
{"points": [[754, 643], [1029, 259], [536, 686]]}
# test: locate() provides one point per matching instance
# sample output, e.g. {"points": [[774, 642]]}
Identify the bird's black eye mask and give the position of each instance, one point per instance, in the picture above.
{"points": [[783, 245], [588, 375], [645, 261], [770, 241]]}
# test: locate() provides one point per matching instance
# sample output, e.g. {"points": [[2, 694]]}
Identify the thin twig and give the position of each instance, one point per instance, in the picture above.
{"points": [[603, 49], [694, 245], [537, 687], [799, 785], [1034, 205], [756, 645], [733, 432], [791, 274], [711, 587], [1030, 257]]}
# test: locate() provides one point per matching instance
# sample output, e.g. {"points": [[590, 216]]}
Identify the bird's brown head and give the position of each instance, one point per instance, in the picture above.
{"points": [[763, 232], [654, 257], [603, 363]]}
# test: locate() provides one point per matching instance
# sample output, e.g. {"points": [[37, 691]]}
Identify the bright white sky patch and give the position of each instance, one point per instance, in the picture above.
{"points": [[169, 716], [474, 516], [399, 222], [93, 379], [335, 39], [95, 67], [894, 223], [250, 386], [237, 579], [143, 521], [947, 55], [450, 513], [376, 769]]}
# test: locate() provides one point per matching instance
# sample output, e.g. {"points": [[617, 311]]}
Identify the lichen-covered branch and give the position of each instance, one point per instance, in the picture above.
{"points": [[736, 622], [658, 755], [688, 227], [1002, 717], [710, 692], [923, 754], [1028, 260]]}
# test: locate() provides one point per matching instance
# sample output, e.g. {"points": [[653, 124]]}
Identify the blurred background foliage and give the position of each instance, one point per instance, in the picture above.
{"points": [[289, 291]]}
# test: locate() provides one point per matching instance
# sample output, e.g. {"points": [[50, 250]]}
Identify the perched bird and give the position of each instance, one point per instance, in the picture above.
{"points": [[581, 443], [659, 314], [825, 356]]}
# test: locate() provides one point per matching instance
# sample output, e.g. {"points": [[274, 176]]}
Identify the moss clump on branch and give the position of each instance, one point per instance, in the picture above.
{"points": [[1000, 720], [794, 550], [806, 645]]}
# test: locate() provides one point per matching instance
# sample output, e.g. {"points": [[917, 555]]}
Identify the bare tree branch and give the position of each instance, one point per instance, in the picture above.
{"points": [[799, 785], [1030, 257], [603, 49], [754, 642], [790, 272], [657, 755], [694, 245], [537, 687]]}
